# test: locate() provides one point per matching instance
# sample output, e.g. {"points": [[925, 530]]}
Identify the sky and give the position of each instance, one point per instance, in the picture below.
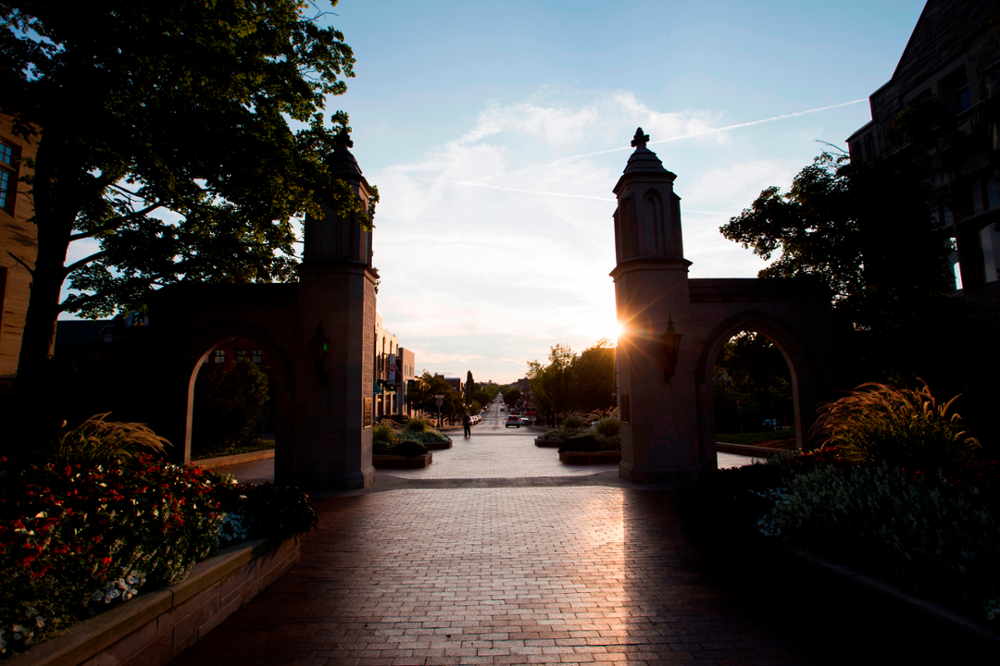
{"points": [[495, 133]]}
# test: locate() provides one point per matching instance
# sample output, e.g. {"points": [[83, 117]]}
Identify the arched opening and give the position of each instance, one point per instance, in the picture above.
{"points": [[221, 350], [234, 406], [752, 395], [761, 339]]}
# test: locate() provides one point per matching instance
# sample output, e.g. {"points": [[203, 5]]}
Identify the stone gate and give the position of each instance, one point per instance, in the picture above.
{"points": [[673, 328], [318, 333]]}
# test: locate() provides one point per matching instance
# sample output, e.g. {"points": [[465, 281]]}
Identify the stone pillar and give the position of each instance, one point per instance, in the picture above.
{"points": [[333, 347], [657, 399]]}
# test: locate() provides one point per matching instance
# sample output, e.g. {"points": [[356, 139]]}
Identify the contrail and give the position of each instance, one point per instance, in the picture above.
{"points": [[716, 130], [472, 183], [571, 158]]}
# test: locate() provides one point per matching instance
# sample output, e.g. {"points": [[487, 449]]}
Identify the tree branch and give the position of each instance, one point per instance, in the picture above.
{"points": [[83, 262], [117, 222], [20, 261]]}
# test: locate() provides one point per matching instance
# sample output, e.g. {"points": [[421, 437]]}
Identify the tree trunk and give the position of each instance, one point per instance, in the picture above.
{"points": [[54, 225]]}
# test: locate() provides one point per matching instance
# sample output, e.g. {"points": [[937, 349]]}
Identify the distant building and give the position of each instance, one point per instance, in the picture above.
{"points": [[456, 384], [953, 55], [386, 350], [406, 372]]}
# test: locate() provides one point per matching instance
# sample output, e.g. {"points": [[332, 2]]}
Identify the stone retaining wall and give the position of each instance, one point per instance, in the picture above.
{"points": [[156, 626]]}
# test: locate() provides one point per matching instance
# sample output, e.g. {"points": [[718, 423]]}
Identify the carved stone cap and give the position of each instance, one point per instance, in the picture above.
{"points": [[643, 160], [341, 161]]}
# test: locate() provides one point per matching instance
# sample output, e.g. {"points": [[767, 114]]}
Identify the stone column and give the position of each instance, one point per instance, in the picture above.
{"points": [[334, 342], [657, 398]]}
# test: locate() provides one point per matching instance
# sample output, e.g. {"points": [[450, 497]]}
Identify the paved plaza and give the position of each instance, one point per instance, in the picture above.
{"points": [[498, 554]]}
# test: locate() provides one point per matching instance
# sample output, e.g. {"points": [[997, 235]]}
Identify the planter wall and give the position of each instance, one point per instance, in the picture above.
{"points": [[156, 626], [436, 446], [402, 462], [553, 443], [591, 457]]}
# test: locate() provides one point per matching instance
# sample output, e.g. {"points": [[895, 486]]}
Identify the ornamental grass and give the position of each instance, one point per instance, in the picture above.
{"points": [[877, 423]]}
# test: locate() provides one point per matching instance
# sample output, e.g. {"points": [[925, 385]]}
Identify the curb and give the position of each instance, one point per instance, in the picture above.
{"points": [[222, 461], [747, 450]]}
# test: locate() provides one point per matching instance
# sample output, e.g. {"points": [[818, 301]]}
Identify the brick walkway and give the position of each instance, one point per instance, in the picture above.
{"points": [[509, 575], [497, 554]]}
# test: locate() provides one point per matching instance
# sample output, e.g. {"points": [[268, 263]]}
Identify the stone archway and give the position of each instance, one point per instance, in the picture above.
{"points": [[674, 326], [201, 346], [803, 369]]}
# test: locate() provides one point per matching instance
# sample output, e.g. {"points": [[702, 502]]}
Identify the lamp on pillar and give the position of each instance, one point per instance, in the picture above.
{"points": [[671, 341], [318, 346]]}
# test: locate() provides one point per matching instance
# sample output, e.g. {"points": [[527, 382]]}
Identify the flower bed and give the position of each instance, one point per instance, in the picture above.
{"points": [[158, 624], [84, 528]]}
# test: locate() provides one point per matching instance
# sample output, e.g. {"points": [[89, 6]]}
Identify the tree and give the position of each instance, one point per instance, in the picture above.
{"points": [[470, 386], [482, 397], [228, 406], [759, 384], [551, 384], [593, 377], [164, 137], [427, 386], [512, 396], [866, 230]]}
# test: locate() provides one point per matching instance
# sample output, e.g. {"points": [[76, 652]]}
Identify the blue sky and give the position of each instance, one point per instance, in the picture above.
{"points": [[494, 236], [496, 132]]}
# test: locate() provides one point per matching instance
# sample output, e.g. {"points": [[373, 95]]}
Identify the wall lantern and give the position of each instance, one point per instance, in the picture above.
{"points": [[671, 341], [318, 346]]}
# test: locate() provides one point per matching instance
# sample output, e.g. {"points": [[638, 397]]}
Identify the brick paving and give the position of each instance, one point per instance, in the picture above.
{"points": [[497, 554], [511, 575]]}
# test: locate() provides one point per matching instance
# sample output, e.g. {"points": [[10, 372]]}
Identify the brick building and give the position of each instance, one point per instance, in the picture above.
{"points": [[953, 55], [18, 243]]}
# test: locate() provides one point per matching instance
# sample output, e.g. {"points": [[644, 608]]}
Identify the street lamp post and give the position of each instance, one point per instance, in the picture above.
{"points": [[439, 400]]}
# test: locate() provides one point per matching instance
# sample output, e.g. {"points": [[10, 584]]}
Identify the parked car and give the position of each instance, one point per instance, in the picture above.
{"points": [[512, 421], [525, 420]]}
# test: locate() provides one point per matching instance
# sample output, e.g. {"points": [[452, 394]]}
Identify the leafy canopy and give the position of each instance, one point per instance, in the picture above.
{"points": [[164, 137]]}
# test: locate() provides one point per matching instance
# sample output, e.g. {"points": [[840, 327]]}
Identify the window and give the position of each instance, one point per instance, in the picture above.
{"points": [[984, 194], [220, 355], [241, 354], [8, 177], [869, 147], [956, 91], [257, 356]]}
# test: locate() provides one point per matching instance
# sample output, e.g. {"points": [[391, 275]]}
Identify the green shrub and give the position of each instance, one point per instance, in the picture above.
{"points": [[721, 510], [261, 511], [587, 442], [877, 423], [925, 533], [384, 433], [573, 422], [608, 427], [417, 424], [426, 437], [408, 448]]}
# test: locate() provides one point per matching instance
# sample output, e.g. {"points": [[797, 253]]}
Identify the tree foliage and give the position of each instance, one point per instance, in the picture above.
{"points": [[164, 139], [867, 230], [421, 396], [752, 383], [228, 406], [574, 383]]}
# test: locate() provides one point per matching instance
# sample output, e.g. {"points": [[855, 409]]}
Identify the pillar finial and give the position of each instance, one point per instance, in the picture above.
{"points": [[640, 139]]}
